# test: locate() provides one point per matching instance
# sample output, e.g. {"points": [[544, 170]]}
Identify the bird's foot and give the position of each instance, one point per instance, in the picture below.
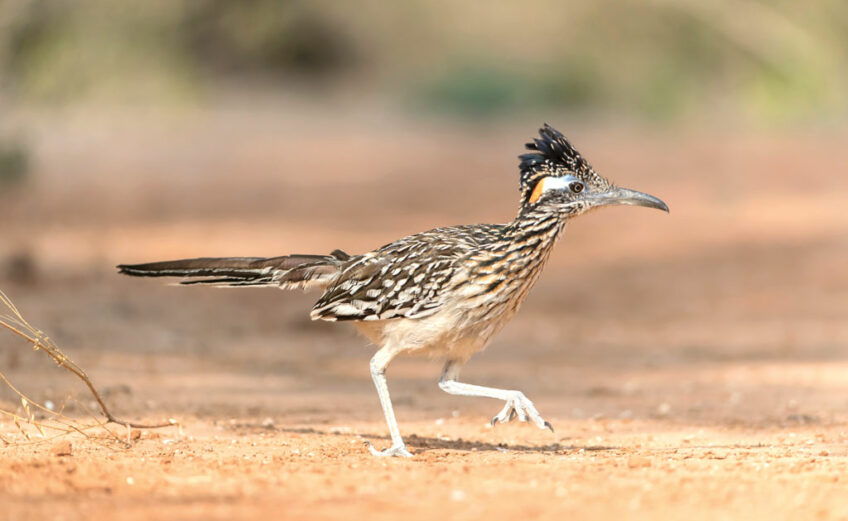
{"points": [[518, 405], [398, 450]]}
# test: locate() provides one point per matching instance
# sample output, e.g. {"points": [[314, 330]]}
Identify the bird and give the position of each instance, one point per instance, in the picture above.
{"points": [[444, 293]]}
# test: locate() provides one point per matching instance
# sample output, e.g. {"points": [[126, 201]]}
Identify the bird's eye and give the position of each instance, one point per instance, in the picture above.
{"points": [[576, 187]]}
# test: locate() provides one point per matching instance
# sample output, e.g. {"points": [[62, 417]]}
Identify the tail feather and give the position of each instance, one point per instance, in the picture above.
{"points": [[287, 272]]}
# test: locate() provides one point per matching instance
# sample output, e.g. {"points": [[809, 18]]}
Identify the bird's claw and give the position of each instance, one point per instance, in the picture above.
{"points": [[519, 406], [394, 451]]}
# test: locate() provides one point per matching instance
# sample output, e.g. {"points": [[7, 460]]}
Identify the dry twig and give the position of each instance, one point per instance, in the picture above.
{"points": [[59, 424]]}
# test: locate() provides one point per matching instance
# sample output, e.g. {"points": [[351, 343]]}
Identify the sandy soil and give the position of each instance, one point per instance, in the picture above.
{"points": [[694, 365]]}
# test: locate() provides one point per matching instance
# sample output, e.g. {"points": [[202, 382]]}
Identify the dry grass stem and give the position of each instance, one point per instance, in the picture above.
{"points": [[50, 424]]}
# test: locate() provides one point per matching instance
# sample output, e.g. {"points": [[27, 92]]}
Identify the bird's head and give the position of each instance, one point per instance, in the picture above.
{"points": [[555, 177]]}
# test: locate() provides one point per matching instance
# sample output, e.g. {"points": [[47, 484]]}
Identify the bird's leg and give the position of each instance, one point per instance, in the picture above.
{"points": [[517, 405], [378, 372]]}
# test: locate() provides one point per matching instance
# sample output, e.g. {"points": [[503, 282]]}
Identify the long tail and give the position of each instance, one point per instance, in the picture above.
{"points": [[287, 272]]}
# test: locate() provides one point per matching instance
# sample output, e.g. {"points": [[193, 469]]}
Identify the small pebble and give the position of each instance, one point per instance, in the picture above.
{"points": [[638, 462], [62, 448]]}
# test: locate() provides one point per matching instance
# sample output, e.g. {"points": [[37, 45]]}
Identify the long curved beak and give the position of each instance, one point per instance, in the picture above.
{"points": [[618, 195]]}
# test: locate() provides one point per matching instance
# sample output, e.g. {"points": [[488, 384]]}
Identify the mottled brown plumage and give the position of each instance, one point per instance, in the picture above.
{"points": [[442, 293]]}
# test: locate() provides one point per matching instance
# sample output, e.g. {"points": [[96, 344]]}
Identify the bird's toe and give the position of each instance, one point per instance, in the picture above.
{"points": [[397, 451]]}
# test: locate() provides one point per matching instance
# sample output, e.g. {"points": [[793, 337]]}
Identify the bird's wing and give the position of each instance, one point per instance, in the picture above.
{"points": [[404, 279]]}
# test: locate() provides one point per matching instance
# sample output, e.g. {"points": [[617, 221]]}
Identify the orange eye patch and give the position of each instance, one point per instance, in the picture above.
{"points": [[538, 190]]}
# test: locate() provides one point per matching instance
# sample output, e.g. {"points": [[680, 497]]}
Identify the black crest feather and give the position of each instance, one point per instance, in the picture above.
{"points": [[553, 148]]}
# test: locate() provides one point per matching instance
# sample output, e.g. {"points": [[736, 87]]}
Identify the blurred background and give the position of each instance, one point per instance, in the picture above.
{"points": [[134, 132]]}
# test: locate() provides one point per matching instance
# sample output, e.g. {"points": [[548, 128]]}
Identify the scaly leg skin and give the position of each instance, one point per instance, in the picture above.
{"points": [[378, 372], [517, 405]]}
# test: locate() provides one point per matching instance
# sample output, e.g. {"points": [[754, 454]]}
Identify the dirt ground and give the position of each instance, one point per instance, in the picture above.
{"points": [[694, 365]]}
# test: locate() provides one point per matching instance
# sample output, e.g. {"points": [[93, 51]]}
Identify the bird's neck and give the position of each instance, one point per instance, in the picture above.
{"points": [[532, 235], [537, 226], [514, 262]]}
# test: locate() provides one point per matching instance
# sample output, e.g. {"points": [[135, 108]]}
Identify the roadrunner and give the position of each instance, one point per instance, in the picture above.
{"points": [[443, 293]]}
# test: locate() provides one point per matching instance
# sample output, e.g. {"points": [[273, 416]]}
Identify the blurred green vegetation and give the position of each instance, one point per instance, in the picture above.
{"points": [[14, 163], [770, 60]]}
